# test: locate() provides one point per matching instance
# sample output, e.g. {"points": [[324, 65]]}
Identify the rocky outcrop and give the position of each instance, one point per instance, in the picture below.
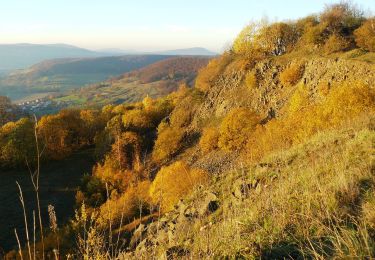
{"points": [[229, 90]]}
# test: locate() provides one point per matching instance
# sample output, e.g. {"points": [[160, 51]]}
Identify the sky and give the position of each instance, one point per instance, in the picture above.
{"points": [[144, 25]]}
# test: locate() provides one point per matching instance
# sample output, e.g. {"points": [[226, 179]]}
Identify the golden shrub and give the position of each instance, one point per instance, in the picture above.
{"points": [[136, 119], [207, 76], [343, 103], [336, 43], [131, 204], [365, 35], [251, 80], [347, 101], [209, 140], [173, 183], [292, 74], [168, 142], [236, 128], [299, 99]]}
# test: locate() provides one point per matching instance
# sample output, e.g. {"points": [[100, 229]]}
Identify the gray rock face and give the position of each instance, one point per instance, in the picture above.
{"points": [[229, 91]]}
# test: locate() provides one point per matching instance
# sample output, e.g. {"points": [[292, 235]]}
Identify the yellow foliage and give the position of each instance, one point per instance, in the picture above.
{"points": [[365, 35], [251, 80], [207, 76], [246, 41], [17, 143], [128, 206], [299, 100], [336, 43], [209, 140], [169, 141], [173, 183], [136, 119], [343, 103], [236, 127], [292, 74]]}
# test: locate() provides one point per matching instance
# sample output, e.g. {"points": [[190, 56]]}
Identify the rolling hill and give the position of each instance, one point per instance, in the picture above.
{"points": [[155, 80], [60, 75]]}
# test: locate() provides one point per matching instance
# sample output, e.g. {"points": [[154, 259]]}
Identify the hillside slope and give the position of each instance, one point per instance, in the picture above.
{"points": [[64, 74], [155, 80]]}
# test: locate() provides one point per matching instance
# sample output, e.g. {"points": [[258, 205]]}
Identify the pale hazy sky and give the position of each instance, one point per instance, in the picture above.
{"points": [[143, 25]]}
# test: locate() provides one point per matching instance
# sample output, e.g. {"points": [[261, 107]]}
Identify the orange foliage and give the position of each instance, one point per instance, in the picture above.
{"points": [[365, 35], [336, 43], [292, 74], [173, 183], [207, 76], [209, 140], [129, 205], [343, 103], [236, 127], [169, 141]]}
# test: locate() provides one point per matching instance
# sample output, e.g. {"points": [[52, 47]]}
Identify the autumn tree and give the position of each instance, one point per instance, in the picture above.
{"points": [[278, 38], [17, 143], [62, 133]]}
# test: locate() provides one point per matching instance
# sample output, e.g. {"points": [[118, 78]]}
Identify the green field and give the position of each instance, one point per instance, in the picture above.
{"points": [[59, 181]]}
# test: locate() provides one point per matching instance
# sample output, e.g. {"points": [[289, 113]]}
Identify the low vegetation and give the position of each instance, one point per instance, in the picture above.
{"points": [[261, 159]]}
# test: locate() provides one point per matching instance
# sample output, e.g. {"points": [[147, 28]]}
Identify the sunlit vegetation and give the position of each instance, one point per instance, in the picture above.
{"points": [[294, 175], [342, 104], [209, 139], [164, 189], [236, 128], [365, 35], [292, 74], [208, 75], [17, 144]]}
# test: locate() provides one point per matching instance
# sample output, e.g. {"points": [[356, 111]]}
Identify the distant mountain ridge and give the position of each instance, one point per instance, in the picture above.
{"points": [[195, 51], [23, 55]]}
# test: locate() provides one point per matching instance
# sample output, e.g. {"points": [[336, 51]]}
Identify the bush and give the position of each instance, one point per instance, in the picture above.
{"points": [[299, 99], [251, 80], [278, 38], [341, 18], [136, 119], [342, 104], [236, 127], [173, 183], [336, 43], [168, 143], [209, 140], [17, 143], [131, 204], [292, 74], [365, 35], [207, 76]]}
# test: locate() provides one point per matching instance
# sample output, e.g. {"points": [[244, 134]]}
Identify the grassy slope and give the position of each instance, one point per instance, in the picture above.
{"points": [[59, 181], [316, 195]]}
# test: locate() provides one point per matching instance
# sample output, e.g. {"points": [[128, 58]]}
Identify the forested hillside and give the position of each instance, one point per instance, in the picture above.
{"points": [[60, 75], [269, 156], [155, 80]]}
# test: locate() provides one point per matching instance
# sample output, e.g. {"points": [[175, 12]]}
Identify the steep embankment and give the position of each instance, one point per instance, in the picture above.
{"points": [[271, 94], [311, 198]]}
